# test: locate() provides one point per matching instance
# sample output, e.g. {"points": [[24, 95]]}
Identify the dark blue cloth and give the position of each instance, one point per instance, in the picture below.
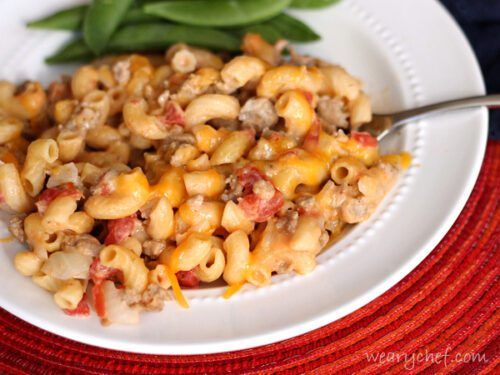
{"points": [[480, 20]]}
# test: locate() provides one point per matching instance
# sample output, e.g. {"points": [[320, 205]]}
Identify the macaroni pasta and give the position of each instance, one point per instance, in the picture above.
{"points": [[151, 176]]}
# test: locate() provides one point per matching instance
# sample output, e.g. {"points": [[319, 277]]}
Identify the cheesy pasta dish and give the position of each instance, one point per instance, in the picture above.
{"points": [[139, 176]]}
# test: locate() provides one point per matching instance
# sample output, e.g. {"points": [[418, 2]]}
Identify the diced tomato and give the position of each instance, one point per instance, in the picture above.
{"points": [[311, 140], [2, 199], [82, 309], [99, 300], [174, 115], [99, 272], [364, 139], [119, 229], [248, 176], [188, 279], [255, 207], [64, 190], [261, 210]]}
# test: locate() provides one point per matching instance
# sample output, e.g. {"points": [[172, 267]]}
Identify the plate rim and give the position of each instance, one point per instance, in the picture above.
{"points": [[308, 324]]}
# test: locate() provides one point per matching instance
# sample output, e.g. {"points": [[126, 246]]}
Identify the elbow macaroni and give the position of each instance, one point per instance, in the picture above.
{"points": [[12, 191], [156, 179], [41, 154], [135, 273], [211, 106], [294, 107]]}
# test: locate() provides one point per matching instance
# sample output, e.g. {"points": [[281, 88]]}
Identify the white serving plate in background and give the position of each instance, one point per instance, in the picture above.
{"points": [[408, 53]]}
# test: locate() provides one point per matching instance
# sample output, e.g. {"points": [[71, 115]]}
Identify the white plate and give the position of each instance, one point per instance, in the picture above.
{"points": [[408, 53]]}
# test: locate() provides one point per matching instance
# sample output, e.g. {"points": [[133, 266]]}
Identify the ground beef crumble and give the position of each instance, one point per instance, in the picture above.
{"points": [[16, 227], [82, 243], [307, 204], [258, 114], [153, 248], [152, 299], [288, 220], [233, 190], [331, 111]]}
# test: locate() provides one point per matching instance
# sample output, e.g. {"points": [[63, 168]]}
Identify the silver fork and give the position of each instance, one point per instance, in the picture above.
{"points": [[385, 124]]}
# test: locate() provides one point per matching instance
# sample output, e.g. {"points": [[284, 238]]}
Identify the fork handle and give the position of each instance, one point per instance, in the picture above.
{"points": [[490, 101]]}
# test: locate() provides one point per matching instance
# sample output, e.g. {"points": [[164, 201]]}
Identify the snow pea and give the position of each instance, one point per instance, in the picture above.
{"points": [[149, 37], [312, 4], [67, 19], [137, 15], [158, 36], [101, 21], [75, 50], [219, 13], [71, 19], [293, 29]]}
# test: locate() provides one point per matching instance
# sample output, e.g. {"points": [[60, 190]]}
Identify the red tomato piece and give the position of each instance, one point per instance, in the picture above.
{"points": [[119, 229], [255, 207], [261, 210], [48, 195], [82, 309], [188, 279], [364, 139], [174, 115], [99, 272], [65, 190], [99, 300], [248, 176]]}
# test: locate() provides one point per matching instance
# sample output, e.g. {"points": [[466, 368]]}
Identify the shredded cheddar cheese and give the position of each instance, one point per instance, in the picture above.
{"points": [[179, 297], [134, 184], [232, 290], [368, 155], [192, 187], [402, 160]]}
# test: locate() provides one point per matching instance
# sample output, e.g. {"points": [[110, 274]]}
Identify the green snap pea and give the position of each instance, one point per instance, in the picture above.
{"points": [[312, 4], [219, 13], [293, 29], [71, 19], [137, 15], [68, 19], [75, 50], [283, 26], [158, 36], [149, 37], [102, 19]]}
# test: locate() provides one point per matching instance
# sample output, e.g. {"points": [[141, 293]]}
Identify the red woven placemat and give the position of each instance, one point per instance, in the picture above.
{"points": [[441, 318]]}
